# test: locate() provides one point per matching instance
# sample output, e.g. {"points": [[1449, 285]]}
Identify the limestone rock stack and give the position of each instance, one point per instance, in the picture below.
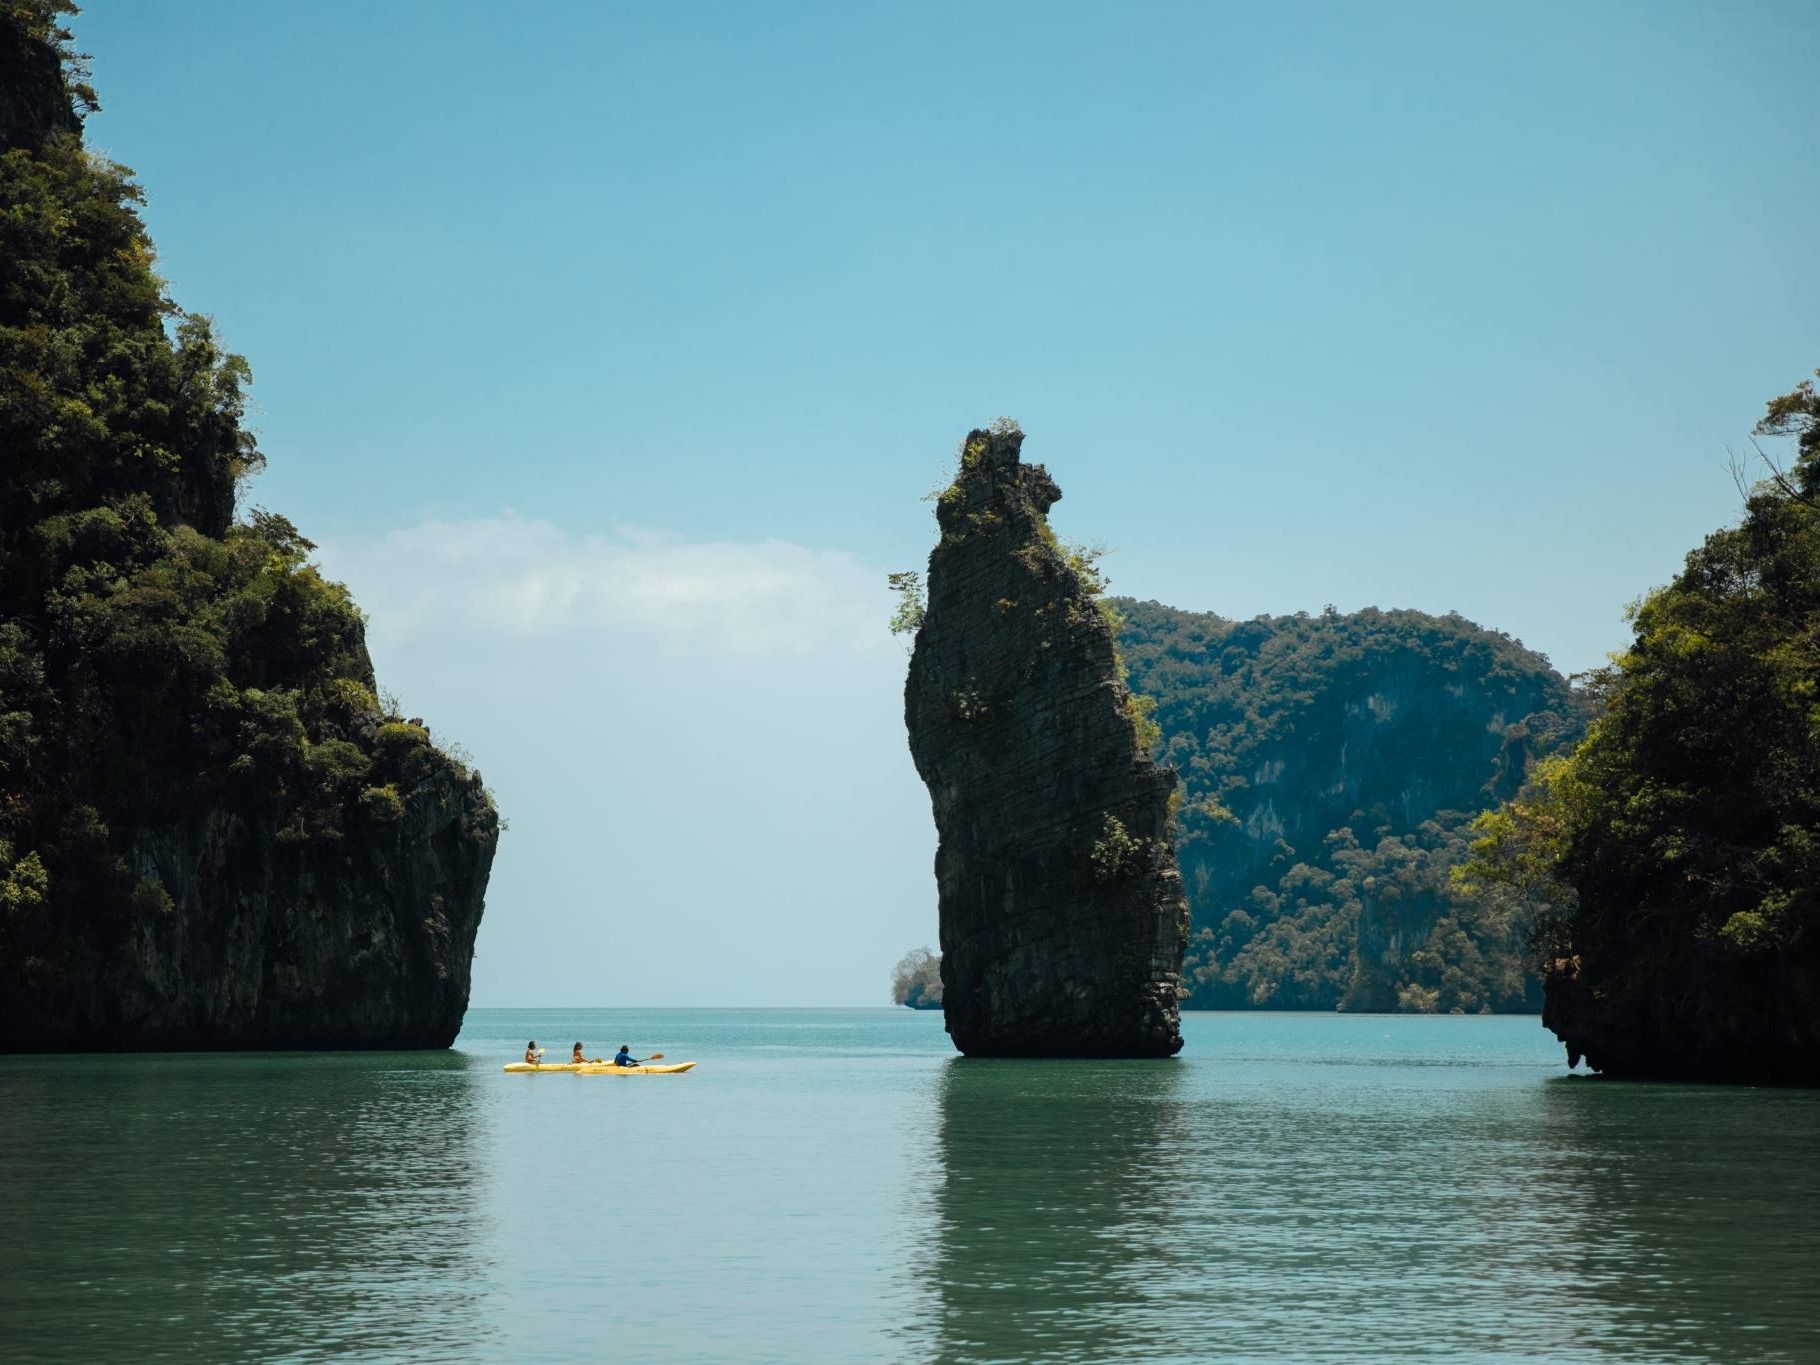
{"points": [[1063, 917]]}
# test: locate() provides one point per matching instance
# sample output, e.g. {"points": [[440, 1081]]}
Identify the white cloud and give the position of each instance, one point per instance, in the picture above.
{"points": [[699, 746], [522, 579]]}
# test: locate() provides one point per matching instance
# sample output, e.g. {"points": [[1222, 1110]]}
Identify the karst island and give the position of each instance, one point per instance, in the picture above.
{"points": [[1063, 919], [213, 831]]}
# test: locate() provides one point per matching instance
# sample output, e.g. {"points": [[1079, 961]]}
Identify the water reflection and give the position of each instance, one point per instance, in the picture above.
{"points": [[1056, 1236], [832, 1188], [1319, 1189], [1699, 1229], [240, 1207]]}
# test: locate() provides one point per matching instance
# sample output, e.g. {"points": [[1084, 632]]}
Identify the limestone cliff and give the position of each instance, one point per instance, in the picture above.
{"points": [[1333, 763], [1062, 914], [213, 833], [256, 934]]}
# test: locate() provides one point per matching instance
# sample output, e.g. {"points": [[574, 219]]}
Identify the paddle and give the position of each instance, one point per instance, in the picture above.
{"points": [[596, 1061], [654, 1057]]}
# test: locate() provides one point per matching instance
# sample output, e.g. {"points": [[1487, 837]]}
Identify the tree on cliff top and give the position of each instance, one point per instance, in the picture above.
{"points": [[1685, 828]]}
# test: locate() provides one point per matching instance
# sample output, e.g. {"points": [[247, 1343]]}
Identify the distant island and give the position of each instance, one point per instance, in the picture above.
{"points": [[916, 981], [1332, 764], [215, 831]]}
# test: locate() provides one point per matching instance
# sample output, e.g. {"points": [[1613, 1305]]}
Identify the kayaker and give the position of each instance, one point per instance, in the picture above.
{"points": [[577, 1059], [533, 1053], [624, 1056]]}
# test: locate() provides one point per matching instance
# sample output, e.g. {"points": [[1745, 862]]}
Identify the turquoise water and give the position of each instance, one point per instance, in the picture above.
{"points": [[835, 1185]]}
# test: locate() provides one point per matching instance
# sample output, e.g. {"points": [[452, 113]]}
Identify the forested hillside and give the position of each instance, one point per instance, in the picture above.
{"points": [[1331, 765]]}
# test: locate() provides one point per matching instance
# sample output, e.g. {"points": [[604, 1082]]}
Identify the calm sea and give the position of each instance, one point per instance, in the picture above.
{"points": [[832, 1185]]}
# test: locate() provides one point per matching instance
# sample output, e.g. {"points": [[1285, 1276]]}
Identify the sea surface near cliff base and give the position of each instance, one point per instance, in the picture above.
{"points": [[836, 1185]]}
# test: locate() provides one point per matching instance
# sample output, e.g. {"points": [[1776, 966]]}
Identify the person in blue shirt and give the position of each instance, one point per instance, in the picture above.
{"points": [[624, 1056]]}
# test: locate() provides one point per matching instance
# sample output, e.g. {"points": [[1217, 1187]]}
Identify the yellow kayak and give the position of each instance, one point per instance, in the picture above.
{"points": [[548, 1066], [608, 1069], [601, 1068]]}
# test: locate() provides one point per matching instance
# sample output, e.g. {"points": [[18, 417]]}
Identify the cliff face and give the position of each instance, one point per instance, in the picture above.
{"points": [[1332, 765], [212, 832], [1062, 914], [1647, 1007], [361, 939]]}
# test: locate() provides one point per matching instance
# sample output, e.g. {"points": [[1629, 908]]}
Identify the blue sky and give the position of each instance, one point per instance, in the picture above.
{"points": [[608, 349]]}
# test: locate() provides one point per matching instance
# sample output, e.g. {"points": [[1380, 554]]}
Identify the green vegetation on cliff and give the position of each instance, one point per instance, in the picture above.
{"points": [[1685, 828], [188, 714], [1331, 766]]}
